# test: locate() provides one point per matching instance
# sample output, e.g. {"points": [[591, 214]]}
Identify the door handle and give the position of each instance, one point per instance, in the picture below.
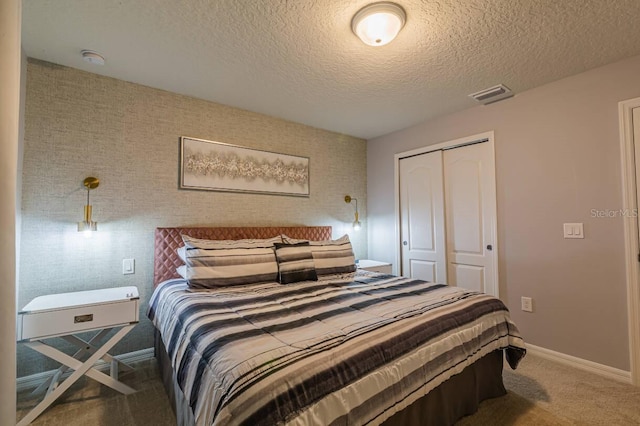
{"points": [[404, 243], [489, 247]]}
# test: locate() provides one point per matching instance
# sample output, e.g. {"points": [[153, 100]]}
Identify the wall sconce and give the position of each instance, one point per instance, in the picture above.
{"points": [[87, 225], [378, 23], [356, 223]]}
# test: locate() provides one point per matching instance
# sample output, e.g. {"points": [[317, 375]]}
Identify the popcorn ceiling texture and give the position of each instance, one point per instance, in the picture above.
{"points": [[299, 59], [80, 124]]}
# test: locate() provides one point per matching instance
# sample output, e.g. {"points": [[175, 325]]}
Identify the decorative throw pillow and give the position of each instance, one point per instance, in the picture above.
{"points": [[330, 256], [295, 263], [213, 264]]}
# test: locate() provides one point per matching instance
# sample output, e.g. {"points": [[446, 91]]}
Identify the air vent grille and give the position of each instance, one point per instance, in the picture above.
{"points": [[492, 94]]}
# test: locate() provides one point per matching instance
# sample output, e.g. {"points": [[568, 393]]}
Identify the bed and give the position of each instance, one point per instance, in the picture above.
{"points": [[350, 348]]}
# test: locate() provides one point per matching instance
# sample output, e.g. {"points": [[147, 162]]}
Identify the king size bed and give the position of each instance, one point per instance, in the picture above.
{"points": [[319, 342]]}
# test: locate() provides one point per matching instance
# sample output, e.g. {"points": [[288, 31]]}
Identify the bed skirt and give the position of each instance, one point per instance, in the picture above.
{"points": [[455, 398]]}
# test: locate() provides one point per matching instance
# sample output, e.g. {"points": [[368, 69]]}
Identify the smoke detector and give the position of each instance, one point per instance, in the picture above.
{"points": [[92, 57], [492, 94]]}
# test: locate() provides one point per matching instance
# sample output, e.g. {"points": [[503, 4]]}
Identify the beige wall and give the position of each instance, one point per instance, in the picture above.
{"points": [[80, 124], [9, 137], [557, 158]]}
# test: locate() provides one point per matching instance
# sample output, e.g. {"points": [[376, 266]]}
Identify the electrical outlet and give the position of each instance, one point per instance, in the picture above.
{"points": [[527, 304], [128, 266]]}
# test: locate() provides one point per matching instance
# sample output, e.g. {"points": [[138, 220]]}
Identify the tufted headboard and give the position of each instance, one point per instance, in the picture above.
{"points": [[167, 240]]}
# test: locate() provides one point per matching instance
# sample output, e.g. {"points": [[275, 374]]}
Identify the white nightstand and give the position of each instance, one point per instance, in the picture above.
{"points": [[63, 315], [374, 266]]}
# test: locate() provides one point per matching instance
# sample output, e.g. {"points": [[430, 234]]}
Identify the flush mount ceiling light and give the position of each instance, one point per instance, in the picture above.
{"points": [[92, 57], [378, 23]]}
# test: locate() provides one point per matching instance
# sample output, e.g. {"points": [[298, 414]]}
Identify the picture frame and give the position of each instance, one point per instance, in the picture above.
{"points": [[216, 166]]}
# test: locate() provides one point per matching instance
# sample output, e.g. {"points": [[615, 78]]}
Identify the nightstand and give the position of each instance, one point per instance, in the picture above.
{"points": [[64, 315], [375, 266]]}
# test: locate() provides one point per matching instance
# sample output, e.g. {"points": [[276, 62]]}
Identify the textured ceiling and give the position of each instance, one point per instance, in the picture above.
{"points": [[299, 60]]}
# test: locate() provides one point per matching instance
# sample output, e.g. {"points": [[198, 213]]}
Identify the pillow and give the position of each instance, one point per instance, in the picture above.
{"points": [[213, 264], [295, 263], [330, 256], [196, 242], [182, 253], [182, 271], [191, 242]]}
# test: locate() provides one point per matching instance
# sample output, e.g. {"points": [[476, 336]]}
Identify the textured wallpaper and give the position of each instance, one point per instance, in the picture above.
{"points": [[80, 124]]}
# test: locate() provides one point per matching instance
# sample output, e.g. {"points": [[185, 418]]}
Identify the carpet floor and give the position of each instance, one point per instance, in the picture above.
{"points": [[540, 393]]}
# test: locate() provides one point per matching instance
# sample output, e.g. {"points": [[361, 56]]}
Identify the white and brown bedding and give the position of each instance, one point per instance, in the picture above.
{"points": [[352, 348]]}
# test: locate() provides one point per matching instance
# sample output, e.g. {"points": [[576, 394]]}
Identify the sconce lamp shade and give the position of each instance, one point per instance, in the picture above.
{"points": [[378, 23], [356, 222], [88, 226]]}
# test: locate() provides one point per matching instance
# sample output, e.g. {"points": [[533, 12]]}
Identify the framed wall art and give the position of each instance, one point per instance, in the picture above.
{"points": [[216, 166]]}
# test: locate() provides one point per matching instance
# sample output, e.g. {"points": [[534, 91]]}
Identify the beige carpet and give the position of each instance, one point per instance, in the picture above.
{"points": [[540, 393], [579, 397]]}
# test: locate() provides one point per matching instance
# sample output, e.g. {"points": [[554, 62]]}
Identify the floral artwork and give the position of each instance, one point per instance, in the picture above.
{"points": [[221, 167]]}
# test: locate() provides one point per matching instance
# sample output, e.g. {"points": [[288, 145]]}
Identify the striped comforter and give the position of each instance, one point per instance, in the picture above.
{"points": [[350, 349]]}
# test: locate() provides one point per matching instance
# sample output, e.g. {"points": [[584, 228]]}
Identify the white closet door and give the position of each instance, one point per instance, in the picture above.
{"points": [[422, 218], [470, 201]]}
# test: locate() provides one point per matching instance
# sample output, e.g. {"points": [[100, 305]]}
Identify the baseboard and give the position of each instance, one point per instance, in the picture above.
{"points": [[35, 380], [582, 364]]}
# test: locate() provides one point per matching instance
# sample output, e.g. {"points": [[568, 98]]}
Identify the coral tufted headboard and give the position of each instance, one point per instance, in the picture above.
{"points": [[167, 240]]}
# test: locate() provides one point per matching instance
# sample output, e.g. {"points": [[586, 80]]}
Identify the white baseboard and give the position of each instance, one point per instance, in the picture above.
{"points": [[35, 380], [582, 364]]}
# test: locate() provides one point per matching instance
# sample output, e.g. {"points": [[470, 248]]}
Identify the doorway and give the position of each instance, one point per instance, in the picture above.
{"points": [[629, 114]]}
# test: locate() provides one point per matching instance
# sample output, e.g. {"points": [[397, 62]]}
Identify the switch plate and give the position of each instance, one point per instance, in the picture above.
{"points": [[573, 230], [128, 266], [527, 304]]}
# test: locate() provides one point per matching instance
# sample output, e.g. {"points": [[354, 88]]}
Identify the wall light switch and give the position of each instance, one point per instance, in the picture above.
{"points": [[128, 266], [573, 230], [527, 304]]}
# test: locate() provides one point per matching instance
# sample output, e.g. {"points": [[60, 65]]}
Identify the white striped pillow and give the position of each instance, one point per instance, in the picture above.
{"points": [[199, 243], [191, 242], [330, 256], [212, 264]]}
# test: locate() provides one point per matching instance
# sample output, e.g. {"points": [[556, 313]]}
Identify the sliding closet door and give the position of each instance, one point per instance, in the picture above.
{"points": [[422, 217], [470, 200]]}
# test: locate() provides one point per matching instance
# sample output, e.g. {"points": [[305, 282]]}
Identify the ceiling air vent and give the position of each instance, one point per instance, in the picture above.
{"points": [[492, 94]]}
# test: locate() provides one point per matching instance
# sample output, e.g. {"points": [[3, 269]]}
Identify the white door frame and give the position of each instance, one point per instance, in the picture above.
{"points": [[489, 137], [632, 251]]}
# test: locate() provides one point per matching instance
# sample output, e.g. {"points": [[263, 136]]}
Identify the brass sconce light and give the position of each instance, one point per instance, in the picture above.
{"points": [[356, 223], [87, 225]]}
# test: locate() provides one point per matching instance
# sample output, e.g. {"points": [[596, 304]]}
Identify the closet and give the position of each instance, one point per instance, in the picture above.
{"points": [[447, 202]]}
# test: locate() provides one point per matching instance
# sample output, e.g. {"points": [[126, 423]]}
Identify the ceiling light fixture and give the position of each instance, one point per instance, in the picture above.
{"points": [[378, 23], [92, 57]]}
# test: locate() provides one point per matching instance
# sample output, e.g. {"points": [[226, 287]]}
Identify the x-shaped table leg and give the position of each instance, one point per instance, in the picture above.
{"points": [[81, 368], [88, 347]]}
